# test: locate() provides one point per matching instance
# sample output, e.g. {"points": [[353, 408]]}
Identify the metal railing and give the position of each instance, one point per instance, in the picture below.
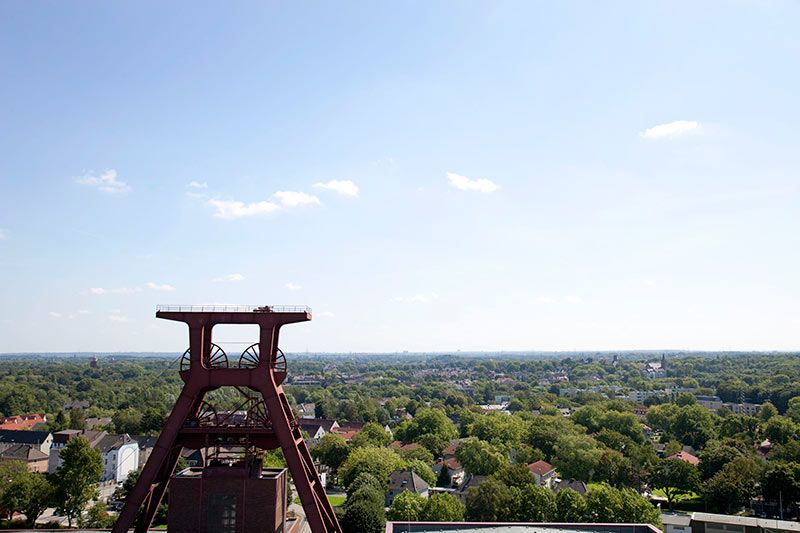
{"points": [[225, 308]]}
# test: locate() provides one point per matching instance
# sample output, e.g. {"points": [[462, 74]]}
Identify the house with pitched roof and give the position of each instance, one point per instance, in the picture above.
{"points": [[544, 473], [403, 480]]}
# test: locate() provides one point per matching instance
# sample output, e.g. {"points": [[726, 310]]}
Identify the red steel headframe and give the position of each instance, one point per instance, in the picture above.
{"points": [[266, 378]]}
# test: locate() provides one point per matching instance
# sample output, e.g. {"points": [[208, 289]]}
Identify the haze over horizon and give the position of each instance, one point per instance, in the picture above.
{"points": [[431, 177]]}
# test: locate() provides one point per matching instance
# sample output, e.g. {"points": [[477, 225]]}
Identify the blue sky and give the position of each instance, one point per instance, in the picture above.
{"points": [[424, 175]]}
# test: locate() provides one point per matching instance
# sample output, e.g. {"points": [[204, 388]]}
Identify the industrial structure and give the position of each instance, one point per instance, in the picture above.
{"points": [[234, 440]]}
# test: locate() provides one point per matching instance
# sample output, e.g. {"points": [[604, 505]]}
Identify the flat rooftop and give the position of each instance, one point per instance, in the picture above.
{"points": [[516, 527], [238, 308]]}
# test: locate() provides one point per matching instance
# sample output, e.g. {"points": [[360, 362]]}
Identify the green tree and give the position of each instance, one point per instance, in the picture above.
{"points": [[380, 462], [732, 487], [77, 419], [417, 452], [577, 456], [10, 471], [499, 429], [767, 411], [59, 423], [429, 427], [638, 510], [491, 501], [372, 434], [515, 476], [363, 517], [127, 421], [331, 450], [77, 477], [570, 506], [30, 494], [793, 409], [780, 430], [717, 454], [364, 480], [96, 517], [479, 457], [424, 471], [406, 506], [604, 504], [676, 478], [537, 504], [443, 508], [444, 479], [694, 425], [781, 482]]}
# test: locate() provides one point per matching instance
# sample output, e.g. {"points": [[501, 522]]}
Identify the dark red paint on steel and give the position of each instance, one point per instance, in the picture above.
{"points": [[200, 379]]}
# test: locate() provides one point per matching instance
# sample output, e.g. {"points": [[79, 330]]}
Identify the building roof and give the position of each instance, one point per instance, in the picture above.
{"points": [[21, 452], [578, 486], [145, 441], [676, 519], [326, 424], [516, 527], [113, 442], [405, 446], [764, 523], [406, 480], [23, 437], [18, 422], [62, 437], [540, 468], [685, 456]]}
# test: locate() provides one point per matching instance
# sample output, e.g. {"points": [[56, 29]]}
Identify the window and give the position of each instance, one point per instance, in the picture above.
{"points": [[221, 517]]}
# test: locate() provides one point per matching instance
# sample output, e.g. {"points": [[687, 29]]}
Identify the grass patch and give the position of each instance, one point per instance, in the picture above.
{"points": [[335, 501]]}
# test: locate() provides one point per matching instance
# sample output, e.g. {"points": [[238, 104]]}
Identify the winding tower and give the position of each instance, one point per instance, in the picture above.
{"points": [[262, 421]]}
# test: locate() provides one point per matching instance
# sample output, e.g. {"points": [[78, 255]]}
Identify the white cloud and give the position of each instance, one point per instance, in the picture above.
{"points": [[343, 187], [417, 298], [157, 287], [83, 312], [229, 277], [99, 291], [116, 317], [463, 183], [106, 182], [673, 129], [296, 198], [125, 290], [197, 184], [572, 299], [545, 300], [54, 314], [293, 286], [3, 234], [230, 209]]}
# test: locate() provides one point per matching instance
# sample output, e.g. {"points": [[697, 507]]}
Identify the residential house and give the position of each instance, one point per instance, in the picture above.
{"points": [[403, 480], [23, 422], [120, 456], [685, 456], [471, 481], [544, 473], [317, 427], [146, 445], [29, 454], [120, 452], [676, 522], [578, 486], [306, 410], [77, 404], [454, 470], [98, 422], [40, 440]]}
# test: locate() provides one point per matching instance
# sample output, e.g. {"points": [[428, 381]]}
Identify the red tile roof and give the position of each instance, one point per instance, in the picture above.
{"points": [[685, 456], [540, 468]]}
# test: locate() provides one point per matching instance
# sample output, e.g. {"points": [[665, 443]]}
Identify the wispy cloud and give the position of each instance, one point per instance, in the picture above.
{"points": [[293, 286], [197, 184], [116, 316], [572, 299], [230, 209], [343, 187], [229, 278], [3, 234], [677, 128], [54, 314], [417, 298], [463, 183], [106, 182], [98, 291], [157, 287], [296, 198], [84, 312]]}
